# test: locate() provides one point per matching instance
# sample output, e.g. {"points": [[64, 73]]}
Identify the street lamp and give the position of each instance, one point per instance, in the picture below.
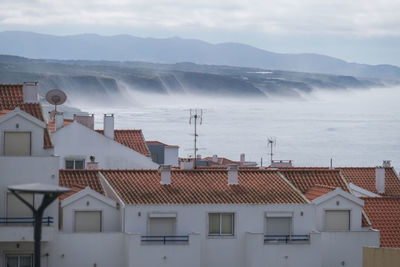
{"points": [[50, 193]]}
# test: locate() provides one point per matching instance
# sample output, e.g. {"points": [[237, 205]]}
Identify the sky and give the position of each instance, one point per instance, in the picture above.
{"points": [[356, 31]]}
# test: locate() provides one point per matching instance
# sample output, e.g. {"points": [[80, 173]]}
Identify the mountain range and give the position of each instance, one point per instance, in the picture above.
{"points": [[177, 50]]}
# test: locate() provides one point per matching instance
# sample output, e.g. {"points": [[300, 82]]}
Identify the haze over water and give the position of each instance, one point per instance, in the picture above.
{"points": [[354, 127]]}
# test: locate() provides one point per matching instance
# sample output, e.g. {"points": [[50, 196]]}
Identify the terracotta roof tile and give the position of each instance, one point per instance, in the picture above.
{"points": [[74, 189], [160, 143], [133, 139], [11, 97], [52, 124], [365, 177], [384, 214], [202, 187], [71, 178], [305, 179], [317, 191]]}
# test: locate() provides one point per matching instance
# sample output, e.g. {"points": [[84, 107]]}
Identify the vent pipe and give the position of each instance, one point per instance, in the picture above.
{"points": [[233, 174]]}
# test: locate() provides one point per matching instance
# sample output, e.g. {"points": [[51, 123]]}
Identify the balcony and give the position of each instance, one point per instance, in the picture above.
{"points": [[180, 250], [14, 229], [24, 221], [172, 239], [286, 239]]}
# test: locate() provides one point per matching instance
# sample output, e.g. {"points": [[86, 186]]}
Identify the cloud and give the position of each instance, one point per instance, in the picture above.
{"points": [[343, 17]]}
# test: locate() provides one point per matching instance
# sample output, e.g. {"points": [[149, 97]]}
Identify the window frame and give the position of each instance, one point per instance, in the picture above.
{"points": [[19, 255], [324, 220], [11, 132], [233, 223], [74, 160], [88, 210]]}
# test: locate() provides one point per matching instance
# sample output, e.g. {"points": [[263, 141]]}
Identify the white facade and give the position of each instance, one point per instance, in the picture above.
{"points": [[77, 142]]}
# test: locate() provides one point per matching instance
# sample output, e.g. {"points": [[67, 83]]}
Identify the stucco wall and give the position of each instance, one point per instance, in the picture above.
{"points": [[171, 156], [78, 141]]}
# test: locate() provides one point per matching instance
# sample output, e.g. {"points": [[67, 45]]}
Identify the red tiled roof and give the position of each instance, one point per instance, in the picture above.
{"points": [[52, 124], [305, 179], [202, 187], [74, 189], [220, 161], [318, 190], [133, 139], [11, 97], [71, 178], [384, 214], [365, 177]]}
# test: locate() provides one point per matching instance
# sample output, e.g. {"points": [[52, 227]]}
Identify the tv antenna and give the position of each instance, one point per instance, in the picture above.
{"points": [[197, 116], [56, 97], [271, 143]]}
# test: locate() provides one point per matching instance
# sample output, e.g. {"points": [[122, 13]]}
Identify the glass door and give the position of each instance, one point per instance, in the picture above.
{"points": [[19, 261]]}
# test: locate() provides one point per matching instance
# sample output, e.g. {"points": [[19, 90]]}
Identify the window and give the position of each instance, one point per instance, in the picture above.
{"points": [[162, 226], [337, 220], [279, 226], [16, 208], [17, 143], [19, 260], [75, 164], [87, 221], [220, 224]]}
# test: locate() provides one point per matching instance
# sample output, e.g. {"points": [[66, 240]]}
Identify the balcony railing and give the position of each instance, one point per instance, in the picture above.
{"points": [[165, 239], [24, 220], [286, 238]]}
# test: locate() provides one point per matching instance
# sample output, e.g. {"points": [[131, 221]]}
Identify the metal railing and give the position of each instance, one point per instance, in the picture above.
{"points": [[165, 239], [286, 238], [25, 220]]}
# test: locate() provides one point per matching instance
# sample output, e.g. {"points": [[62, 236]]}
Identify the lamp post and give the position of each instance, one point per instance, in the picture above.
{"points": [[50, 193]]}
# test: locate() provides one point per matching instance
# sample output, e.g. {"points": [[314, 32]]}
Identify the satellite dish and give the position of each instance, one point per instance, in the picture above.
{"points": [[56, 97]]}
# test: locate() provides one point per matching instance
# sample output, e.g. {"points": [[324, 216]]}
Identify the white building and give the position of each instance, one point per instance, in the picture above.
{"points": [[167, 217], [26, 156], [76, 143]]}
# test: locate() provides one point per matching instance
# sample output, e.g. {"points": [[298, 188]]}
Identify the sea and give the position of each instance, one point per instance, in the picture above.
{"points": [[359, 127]]}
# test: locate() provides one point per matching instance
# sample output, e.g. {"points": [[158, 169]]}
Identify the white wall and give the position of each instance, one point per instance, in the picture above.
{"points": [[171, 156], [24, 125], [78, 141], [110, 221], [23, 170], [87, 249]]}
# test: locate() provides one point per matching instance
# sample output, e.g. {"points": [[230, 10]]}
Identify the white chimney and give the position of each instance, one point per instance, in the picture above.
{"points": [[165, 171], [59, 120], [233, 174], [215, 158], [380, 179], [242, 158], [87, 120], [30, 92], [109, 126], [186, 164], [92, 165]]}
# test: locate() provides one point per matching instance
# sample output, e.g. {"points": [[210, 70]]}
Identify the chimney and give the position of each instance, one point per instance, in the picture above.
{"points": [[380, 179], [386, 163], [59, 120], [93, 164], [109, 126], [233, 174], [30, 92], [186, 164], [165, 171], [215, 158], [242, 158], [87, 120]]}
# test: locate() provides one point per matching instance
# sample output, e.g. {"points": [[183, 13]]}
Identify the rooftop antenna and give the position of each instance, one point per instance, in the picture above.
{"points": [[271, 143], [197, 116], [56, 97]]}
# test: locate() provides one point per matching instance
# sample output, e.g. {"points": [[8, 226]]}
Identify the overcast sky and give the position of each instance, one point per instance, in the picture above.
{"points": [[355, 30]]}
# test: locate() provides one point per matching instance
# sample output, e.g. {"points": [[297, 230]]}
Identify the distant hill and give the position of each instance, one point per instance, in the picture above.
{"points": [[112, 78], [175, 50]]}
